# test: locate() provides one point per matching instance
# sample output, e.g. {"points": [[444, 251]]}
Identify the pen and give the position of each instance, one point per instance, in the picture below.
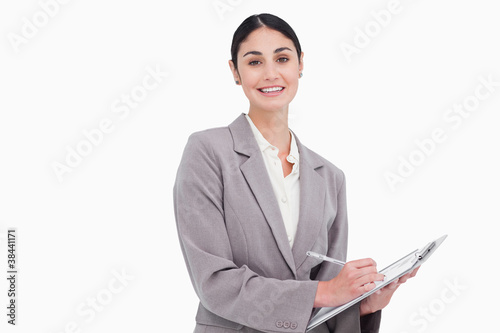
{"points": [[325, 258]]}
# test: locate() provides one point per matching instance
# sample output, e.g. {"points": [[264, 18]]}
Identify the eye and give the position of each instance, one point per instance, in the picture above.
{"points": [[282, 59], [254, 63]]}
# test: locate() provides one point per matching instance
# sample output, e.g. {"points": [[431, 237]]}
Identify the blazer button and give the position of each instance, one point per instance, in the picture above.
{"points": [[286, 324], [279, 324], [293, 325]]}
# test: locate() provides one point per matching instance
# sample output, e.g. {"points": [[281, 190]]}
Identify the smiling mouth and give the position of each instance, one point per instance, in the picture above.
{"points": [[271, 90]]}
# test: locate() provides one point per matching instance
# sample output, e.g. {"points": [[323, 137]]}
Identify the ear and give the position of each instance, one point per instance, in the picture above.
{"points": [[234, 70], [301, 63]]}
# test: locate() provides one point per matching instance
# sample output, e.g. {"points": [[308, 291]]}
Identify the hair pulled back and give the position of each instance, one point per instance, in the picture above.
{"points": [[257, 21]]}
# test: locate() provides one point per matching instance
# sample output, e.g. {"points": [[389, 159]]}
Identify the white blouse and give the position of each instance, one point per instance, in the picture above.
{"points": [[286, 189]]}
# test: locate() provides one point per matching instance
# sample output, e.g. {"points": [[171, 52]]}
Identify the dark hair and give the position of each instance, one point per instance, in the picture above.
{"points": [[256, 21]]}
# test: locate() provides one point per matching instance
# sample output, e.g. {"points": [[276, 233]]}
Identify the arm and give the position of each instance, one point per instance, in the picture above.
{"points": [[232, 292]]}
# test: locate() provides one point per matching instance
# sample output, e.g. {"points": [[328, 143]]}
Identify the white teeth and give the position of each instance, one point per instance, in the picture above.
{"points": [[268, 90]]}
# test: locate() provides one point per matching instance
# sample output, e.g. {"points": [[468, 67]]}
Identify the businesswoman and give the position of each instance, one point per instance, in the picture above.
{"points": [[250, 200]]}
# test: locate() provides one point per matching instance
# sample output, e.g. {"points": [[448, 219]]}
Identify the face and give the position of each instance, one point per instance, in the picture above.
{"points": [[268, 70]]}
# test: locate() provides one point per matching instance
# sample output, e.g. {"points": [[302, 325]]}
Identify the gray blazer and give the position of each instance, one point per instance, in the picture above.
{"points": [[234, 241]]}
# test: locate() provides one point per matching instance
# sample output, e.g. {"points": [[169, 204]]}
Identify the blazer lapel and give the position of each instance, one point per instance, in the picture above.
{"points": [[255, 173], [312, 203]]}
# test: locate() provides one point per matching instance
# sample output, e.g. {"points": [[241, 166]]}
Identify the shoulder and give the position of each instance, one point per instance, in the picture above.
{"points": [[201, 158], [208, 149], [209, 140], [210, 136]]}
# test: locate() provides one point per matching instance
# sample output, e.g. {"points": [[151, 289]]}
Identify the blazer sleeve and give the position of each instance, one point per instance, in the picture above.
{"points": [[234, 293], [371, 322]]}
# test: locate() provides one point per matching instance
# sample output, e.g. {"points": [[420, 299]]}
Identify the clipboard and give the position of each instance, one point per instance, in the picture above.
{"points": [[391, 272]]}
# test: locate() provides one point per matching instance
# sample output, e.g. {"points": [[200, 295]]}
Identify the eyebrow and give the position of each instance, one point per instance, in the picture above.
{"points": [[278, 50]]}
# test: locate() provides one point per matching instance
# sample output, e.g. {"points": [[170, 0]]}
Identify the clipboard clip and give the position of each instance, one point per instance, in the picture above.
{"points": [[425, 251]]}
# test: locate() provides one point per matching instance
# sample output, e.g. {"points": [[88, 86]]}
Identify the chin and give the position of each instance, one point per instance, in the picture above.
{"points": [[272, 105]]}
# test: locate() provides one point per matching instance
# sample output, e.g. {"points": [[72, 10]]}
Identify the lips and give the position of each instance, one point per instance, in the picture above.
{"points": [[271, 91]]}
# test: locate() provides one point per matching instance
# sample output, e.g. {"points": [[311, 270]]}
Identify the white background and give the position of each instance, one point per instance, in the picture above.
{"points": [[113, 212]]}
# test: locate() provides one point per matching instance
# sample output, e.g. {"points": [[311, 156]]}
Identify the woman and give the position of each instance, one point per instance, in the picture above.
{"points": [[250, 201]]}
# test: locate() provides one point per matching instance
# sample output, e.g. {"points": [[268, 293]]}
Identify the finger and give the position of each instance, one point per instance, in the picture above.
{"points": [[360, 263], [356, 273], [394, 282], [414, 272], [393, 285], [366, 287], [369, 278], [404, 278], [408, 276]]}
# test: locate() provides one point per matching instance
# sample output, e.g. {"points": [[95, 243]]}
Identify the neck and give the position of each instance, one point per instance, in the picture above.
{"points": [[274, 127]]}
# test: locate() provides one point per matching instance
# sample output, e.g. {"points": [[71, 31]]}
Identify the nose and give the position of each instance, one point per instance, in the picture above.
{"points": [[271, 72]]}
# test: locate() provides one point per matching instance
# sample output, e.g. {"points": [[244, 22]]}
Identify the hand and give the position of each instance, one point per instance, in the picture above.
{"points": [[355, 278], [380, 299]]}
